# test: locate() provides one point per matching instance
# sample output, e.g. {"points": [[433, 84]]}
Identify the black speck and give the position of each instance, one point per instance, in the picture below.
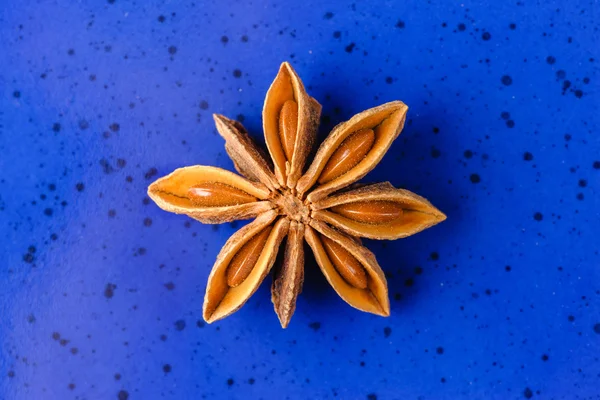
{"points": [[237, 73], [505, 115], [11, 374], [166, 368], [561, 74], [28, 258], [172, 50], [161, 18], [400, 24], [204, 105], [527, 393], [224, 39], [56, 127], [582, 183], [389, 80], [538, 216], [507, 268], [571, 318], [230, 382], [580, 196], [486, 36], [114, 127], [435, 153], [387, 331], [328, 15], [372, 396], [109, 290], [151, 173], [180, 324], [475, 178], [461, 27], [79, 186], [512, 26], [434, 256], [123, 395], [147, 221], [506, 80], [48, 212], [550, 60], [244, 39], [71, 52], [31, 318], [16, 94], [439, 350], [578, 93], [527, 156], [315, 326], [350, 47], [169, 285], [112, 213], [545, 357], [337, 34], [597, 328], [251, 381], [55, 335], [141, 251], [596, 165], [510, 123], [468, 154], [200, 324]]}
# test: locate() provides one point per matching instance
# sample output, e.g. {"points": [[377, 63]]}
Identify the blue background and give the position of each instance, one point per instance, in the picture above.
{"points": [[102, 291]]}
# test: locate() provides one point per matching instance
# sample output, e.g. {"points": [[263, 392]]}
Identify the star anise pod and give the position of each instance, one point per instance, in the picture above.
{"points": [[291, 204]]}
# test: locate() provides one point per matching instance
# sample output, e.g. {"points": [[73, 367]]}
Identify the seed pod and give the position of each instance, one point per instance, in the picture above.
{"points": [[345, 264], [215, 194], [350, 152], [244, 260], [370, 212], [288, 127]]}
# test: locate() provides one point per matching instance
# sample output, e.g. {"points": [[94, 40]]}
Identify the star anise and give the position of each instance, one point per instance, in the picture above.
{"points": [[291, 204]]}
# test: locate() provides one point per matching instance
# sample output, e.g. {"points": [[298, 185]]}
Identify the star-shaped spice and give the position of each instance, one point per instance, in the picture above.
{"points": [[320, 204]]}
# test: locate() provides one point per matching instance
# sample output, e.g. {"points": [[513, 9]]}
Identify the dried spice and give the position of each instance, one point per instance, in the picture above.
{"points": [[294, 201]]}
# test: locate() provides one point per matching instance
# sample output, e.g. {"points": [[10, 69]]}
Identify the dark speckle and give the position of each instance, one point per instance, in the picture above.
{"points": [[315, 326], [578, 93], [475, 178], [571, 318], [237, 73], [11, 374], [506, 80], [512, 26], [161, 18], [79, 187], [527, 156], [48, 212], [251, 381], [389, 80], [169, 285], [538, 216], [387, 331], [434, 256], [166, 368], [468, 154], [486, 36], [461, 27], [114, 127], [109, 290], [596, 165], [151, 173], [597, 328], [350, 47], [123, 395], [337, 34], [71, 52], [550, 60], [545, 357], [328, 15], [439, 350], [224, 39], [230, 382], [400, 24], [200, 323], [112, 213], [561, 74], [180, 324], [172, 50], [372, 396], [56, 127], [16, 94], [203, 105], [244, 39], [527, 393], [147, 222], [582, 183]]}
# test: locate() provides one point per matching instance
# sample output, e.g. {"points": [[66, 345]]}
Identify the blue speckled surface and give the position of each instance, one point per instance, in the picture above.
{"points": [[102, 291]]}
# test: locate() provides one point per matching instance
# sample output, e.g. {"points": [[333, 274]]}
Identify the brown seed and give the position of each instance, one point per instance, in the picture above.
{"points": [[345, 264], [370, 212], [244, 260], [288, 127], [349, 153], [215, 194]]}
